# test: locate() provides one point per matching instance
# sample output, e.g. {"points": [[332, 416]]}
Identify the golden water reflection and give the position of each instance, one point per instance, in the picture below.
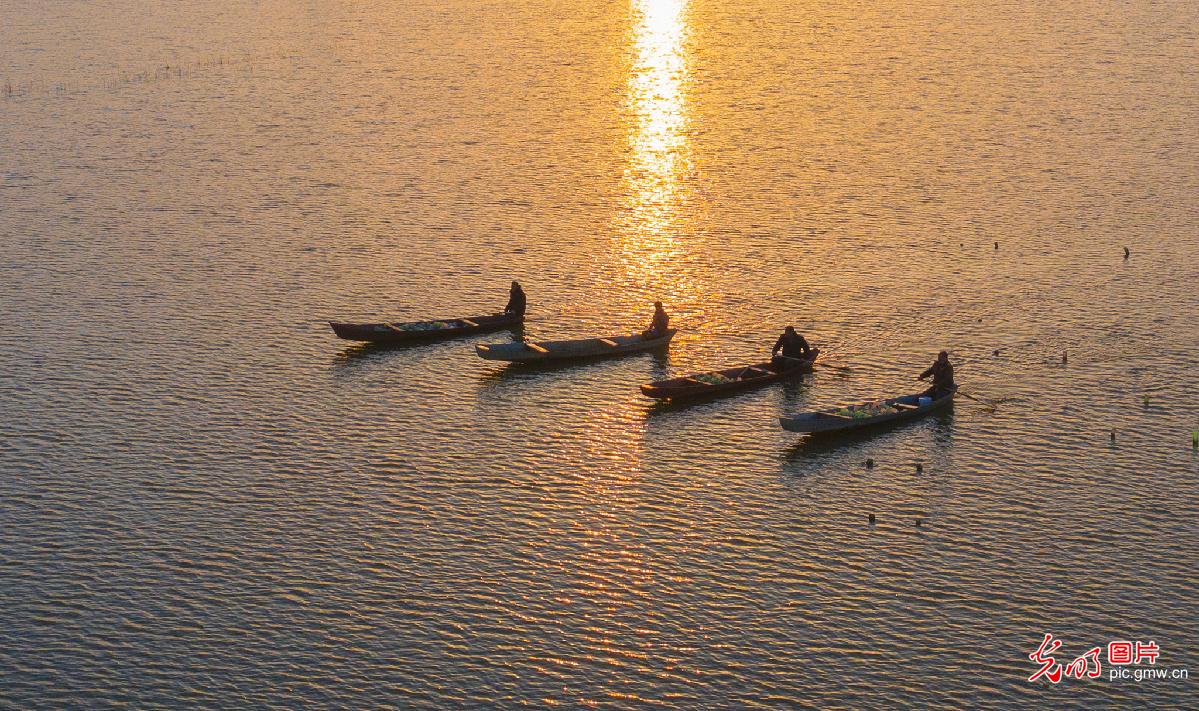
{"points": [[615, 573], [659, 153]]}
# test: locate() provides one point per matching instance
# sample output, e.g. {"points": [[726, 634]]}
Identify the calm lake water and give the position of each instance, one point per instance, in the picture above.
{"points": [[206, 499]]}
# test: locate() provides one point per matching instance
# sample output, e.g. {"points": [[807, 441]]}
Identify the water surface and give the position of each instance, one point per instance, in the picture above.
{"points": [[208, 500]]}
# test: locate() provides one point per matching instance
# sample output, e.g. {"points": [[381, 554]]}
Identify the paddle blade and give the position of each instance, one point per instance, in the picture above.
{"points": [[842, 368]]}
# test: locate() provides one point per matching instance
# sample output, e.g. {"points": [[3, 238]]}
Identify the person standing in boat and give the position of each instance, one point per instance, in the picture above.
{"points": [[660, 325], [942, 373], [516, 300], [794, 346]]}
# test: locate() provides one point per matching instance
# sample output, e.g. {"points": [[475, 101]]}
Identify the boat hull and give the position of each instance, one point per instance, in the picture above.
{"points": [[741, 378], [569, 350], [409, 332], [825, 421]]}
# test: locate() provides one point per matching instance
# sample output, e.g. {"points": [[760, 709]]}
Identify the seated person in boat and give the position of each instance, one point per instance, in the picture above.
{"points": [[794, 347], [660, 325], [516, 300], [942, 372]]}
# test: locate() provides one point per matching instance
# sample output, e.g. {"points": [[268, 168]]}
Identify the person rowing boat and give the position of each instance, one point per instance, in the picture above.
{"points": [[516, 300], [794, 348], [942, 374], [660, 325]]}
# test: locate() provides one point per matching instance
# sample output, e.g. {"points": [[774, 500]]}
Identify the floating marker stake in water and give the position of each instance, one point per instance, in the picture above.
{"points": [[1195, 440], [871, 519], [1126, 252], [919, 468], [996, 245], [1065, 357], [1113, 435], [869, 463]]}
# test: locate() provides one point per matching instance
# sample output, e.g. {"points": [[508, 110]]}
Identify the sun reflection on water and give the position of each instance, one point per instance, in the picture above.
{"points": [[614, 568], [659, 154]]}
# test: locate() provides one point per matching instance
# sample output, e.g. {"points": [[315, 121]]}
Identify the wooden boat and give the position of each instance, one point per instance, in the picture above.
{"points": [[414, 331], [563, 350], [720, 382], [852, 417]]}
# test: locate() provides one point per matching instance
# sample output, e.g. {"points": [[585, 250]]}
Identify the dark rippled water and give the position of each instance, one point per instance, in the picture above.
{"points": [[208, 500]]}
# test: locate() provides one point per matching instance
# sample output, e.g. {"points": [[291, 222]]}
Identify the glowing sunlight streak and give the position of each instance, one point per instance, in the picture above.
{"points": [[658, 145]]}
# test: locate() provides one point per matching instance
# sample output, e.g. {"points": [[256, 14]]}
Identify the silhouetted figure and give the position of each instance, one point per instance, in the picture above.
{"points": [[942, 372], [792, 345], [516, 300], [660, 325]]}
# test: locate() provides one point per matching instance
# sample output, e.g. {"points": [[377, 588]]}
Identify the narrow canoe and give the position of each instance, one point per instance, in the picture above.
{"points": [[839, 419], [729, 380], [562, 350], [414, 331]]}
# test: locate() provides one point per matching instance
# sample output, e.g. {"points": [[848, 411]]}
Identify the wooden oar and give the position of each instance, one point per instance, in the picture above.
{"points": [[825, 364], [968, 396], [844, 368], [818, 362]]}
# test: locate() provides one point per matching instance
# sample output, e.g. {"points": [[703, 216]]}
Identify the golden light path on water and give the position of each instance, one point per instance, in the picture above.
{"points": [[658, 157], [659, 153], [614, 574]]}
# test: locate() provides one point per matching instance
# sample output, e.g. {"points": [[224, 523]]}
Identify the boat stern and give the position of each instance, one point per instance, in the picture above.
{"points": [[348, 331], [801, 423]]}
